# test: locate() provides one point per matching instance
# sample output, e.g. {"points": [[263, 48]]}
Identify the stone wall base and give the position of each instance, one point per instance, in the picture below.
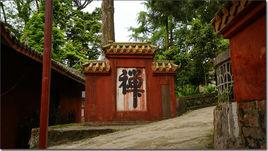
{"points": [[252, 122], [240, 125], [226, 129]]}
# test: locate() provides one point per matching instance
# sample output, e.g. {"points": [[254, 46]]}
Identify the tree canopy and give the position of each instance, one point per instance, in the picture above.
{"points": [[76, 34], [181, 29], [183, 32]]}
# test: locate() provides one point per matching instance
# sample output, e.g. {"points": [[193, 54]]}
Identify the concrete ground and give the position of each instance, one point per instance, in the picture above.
{"points": [[192, 130]]}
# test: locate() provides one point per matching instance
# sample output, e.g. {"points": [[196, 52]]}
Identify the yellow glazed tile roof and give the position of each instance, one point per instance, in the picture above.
{"points": [[127, 48], [227, 14], [164, 66], [24, 49], [97, 66]]}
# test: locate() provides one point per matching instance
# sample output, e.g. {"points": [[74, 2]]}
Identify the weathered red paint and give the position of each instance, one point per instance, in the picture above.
{"points": [[101, 92], [21, 90], [45, 95], [248, 53], [22, 102], [70, 99]]}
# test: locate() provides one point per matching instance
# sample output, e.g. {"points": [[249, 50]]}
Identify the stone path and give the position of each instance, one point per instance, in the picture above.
{"points": [[193, 130]]}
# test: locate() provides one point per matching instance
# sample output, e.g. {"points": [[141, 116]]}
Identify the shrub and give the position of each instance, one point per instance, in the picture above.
{"points": [[187, 90], [210, 88]]}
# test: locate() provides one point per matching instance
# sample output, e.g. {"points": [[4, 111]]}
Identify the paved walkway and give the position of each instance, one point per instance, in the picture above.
{"points": [[192, 130]]}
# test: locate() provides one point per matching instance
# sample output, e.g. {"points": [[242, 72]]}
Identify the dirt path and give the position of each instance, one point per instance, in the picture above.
{"points": [[192, 130]]}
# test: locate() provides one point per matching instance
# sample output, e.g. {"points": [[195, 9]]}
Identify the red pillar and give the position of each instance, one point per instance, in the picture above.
{"points": [[45, 96]]}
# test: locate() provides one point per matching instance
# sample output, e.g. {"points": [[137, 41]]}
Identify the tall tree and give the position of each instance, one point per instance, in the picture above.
{"points": [[107, 8], [76, 34], [24, 9], [183, 32], [16, 14], [3, 11], [81, 5]]}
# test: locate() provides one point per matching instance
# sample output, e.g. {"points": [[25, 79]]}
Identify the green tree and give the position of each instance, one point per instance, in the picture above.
{"points": [[184, 34], [17, 13], [83, 37], [33, 35], [76, 34]]}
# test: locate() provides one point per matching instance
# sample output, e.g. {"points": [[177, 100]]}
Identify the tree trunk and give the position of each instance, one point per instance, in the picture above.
{"points": [[37, 5], [167, 34], [171, 31], [107, 8], [4, 13]]}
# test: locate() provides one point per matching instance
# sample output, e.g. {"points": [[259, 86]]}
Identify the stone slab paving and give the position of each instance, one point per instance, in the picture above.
{"points": [[193, 130]]}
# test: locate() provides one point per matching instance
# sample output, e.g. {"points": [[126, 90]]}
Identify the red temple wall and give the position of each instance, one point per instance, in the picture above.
{"points": [[101, 93], [248, 51], [99, 108], [70, 99], [21, 94], [247, 33], [17, 104]]}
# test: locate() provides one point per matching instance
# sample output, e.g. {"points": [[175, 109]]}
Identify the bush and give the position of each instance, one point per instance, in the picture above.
{"points": [[187, 90], [210, 88]]}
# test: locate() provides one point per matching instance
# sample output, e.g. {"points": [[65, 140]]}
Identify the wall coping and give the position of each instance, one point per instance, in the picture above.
{"points": [[164, 66], [235, 15], [96, 66], [103, 66], [129, 48]]}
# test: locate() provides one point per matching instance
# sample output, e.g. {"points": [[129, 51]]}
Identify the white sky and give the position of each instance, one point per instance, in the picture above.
{"points": [[125, 15]]}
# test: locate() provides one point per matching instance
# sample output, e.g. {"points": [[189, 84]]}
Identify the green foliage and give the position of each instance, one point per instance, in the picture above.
{"points": [[183, 32], [24, 9], [17, 14], [84, 28], [76, 34], [187, 90], [33, 35], [210, 88]]}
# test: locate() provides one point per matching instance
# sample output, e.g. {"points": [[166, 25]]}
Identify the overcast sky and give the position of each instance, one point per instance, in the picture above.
{"points": [[125, 15]]}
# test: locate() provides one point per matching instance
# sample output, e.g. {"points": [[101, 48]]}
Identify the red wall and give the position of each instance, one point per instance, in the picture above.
{"points": [[248, 56], [70, 100], [21, 94], [20, 91], [101, 93]]}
